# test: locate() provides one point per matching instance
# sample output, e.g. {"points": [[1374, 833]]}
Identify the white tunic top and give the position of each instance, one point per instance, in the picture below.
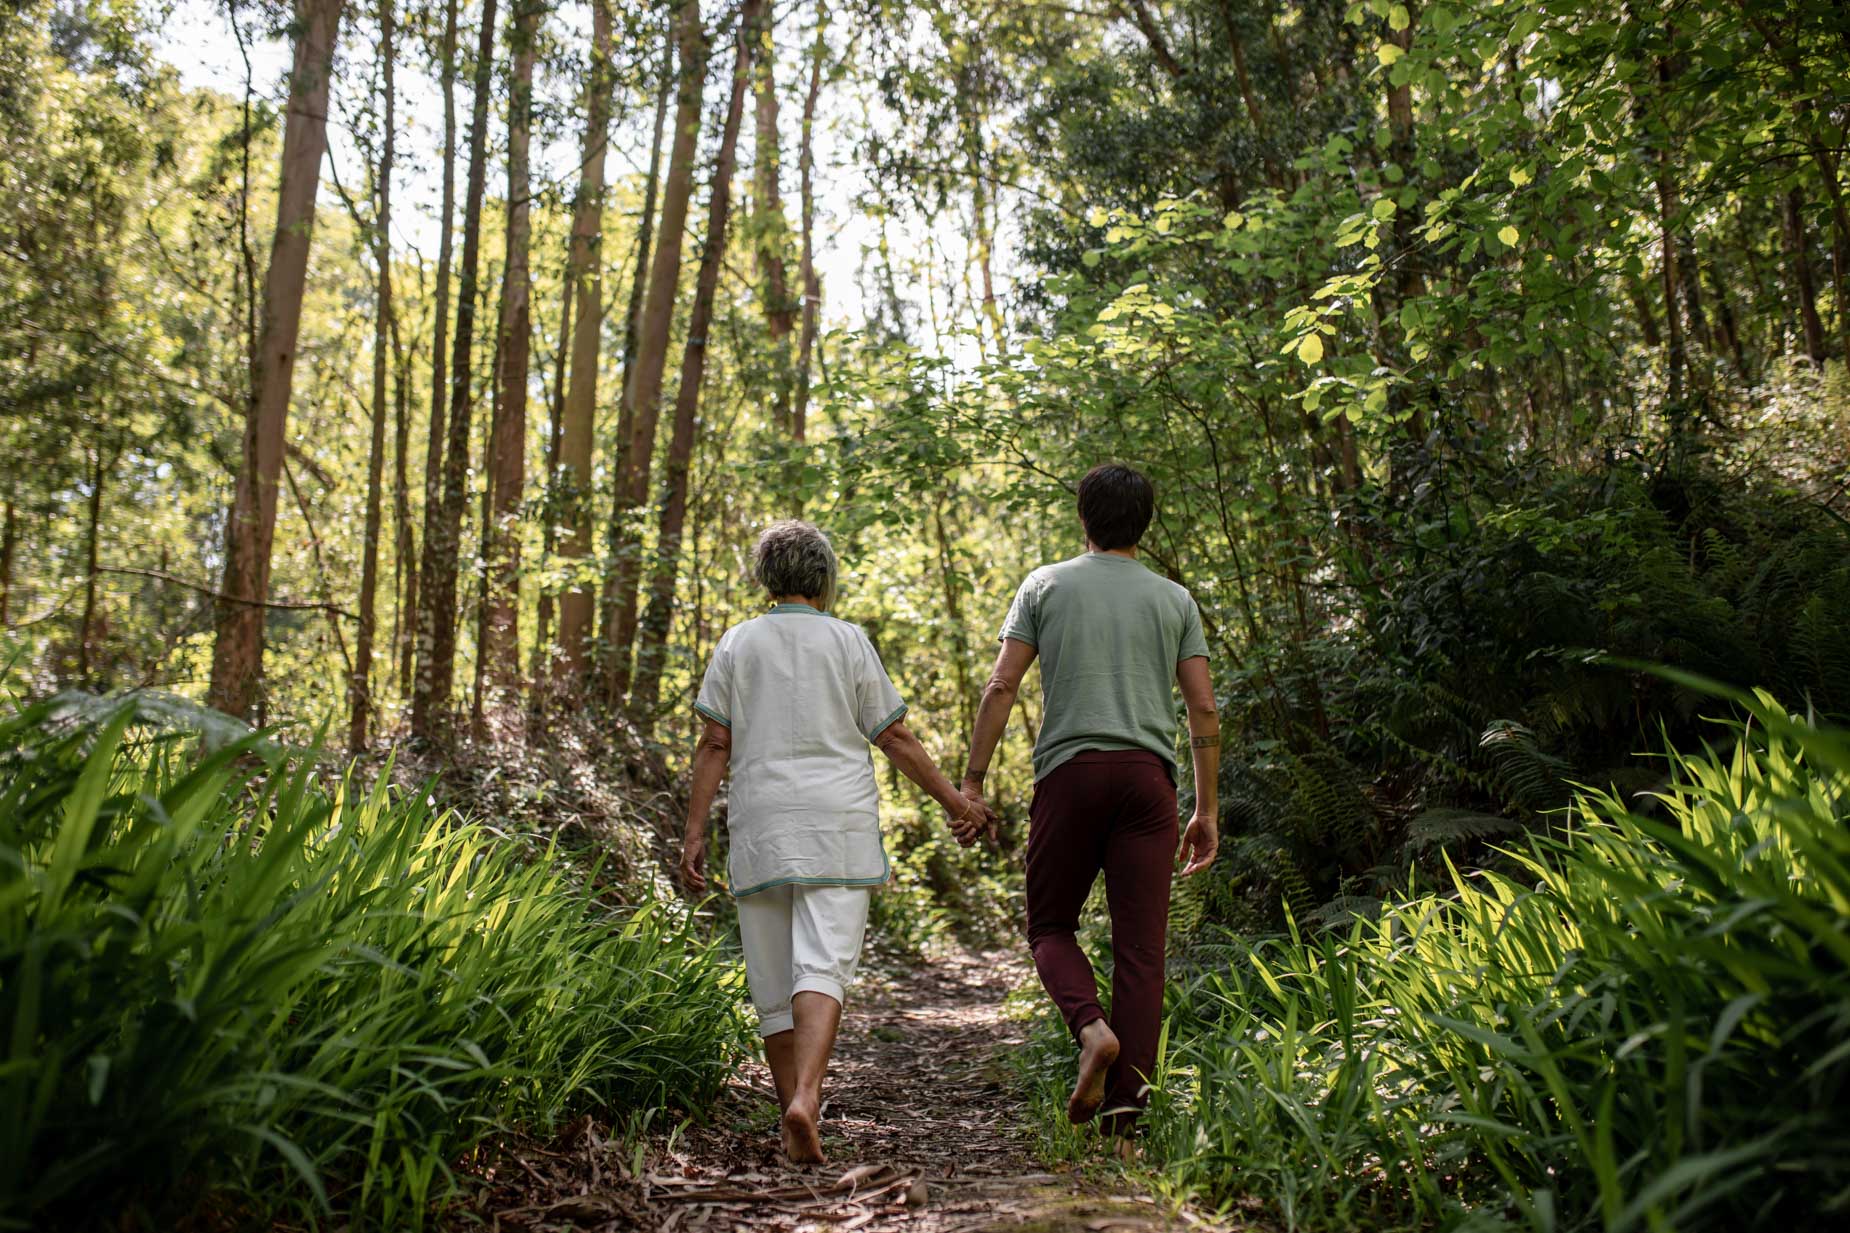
{"points": [[803, 693]]}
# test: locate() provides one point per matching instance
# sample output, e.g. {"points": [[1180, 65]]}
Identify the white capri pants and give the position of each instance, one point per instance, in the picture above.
{"points": [[800, 939]]}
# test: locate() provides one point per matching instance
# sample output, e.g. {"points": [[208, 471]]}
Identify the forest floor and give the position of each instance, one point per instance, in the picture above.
{"points": [[923, 1125]]}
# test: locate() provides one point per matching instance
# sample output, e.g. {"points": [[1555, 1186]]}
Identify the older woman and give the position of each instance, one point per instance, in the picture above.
{"points": [[792, 699]]}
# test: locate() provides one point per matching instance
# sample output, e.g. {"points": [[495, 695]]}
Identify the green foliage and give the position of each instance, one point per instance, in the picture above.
{"points": [[220, 978], [1640, 1025]]}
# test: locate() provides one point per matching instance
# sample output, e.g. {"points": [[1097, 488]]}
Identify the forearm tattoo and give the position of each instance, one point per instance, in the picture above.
{"points": [[972, 773], [1204, 742]]}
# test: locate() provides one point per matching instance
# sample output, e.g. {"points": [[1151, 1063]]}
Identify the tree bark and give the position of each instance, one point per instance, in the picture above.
{"points": [[1798, 248], [500, 649], [237, 652], [653, 635], [404, 553], [626, 413], [768, 225], [806, 268], [360, 690], [9, 539], [657, 320], [419, 633], [430, 704], [542, 645], [93, 523], [575, 605]]}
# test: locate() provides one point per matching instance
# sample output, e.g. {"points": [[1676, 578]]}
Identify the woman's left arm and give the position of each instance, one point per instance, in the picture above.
{"points": [[712, 755], [968, 818]]}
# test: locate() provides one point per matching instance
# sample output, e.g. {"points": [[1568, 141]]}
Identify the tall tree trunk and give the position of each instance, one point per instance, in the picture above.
{"points": [[806, 269], [9, 539], [575, 606], [508, 449], [768, 226], [657, 320], [626, 413], [484, 526], [1409, 281], [360, 691], [420, 633], [93, 524], [542, 645], [404, 552], [1798, 248], [653, 639], [237, 652], [430, 703], [1666, 227]]}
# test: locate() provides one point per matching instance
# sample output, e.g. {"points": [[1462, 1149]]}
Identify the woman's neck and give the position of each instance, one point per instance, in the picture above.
{"points": [[808, 601]]}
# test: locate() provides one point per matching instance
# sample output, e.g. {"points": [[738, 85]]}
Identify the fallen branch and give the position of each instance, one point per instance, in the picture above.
{"points": [[211, 593]]}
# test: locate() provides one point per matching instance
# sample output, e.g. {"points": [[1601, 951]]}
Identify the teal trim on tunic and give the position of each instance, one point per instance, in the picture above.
{"points": [[713, 715], [886, 723], [886, 871], [798, 608]]}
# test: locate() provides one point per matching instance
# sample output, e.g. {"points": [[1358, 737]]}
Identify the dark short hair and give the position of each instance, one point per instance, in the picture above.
{"points": [[1115, 505]]}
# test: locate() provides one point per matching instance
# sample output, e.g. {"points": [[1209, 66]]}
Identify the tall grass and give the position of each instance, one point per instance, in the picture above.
{"points": [[228, 986], [1644, 1024]]}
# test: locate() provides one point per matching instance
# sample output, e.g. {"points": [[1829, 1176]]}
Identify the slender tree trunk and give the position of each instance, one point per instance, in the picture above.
{"points": [[508, 450], [626, 413], [653, 639], [237, 653], [430, 704], [657, 320], [93, 523], [9, 539], [484, 526], [806, 270], [575, 606], [542, 646], [1409, 281], [1798, 249], [420, 633], [404, 553], [1641, 308], [768, 226], [360, 691]]}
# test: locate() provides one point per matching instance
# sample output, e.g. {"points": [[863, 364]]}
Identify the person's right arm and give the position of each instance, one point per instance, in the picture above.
{"points": [[1201, 840], [712, 756], [992, 714]]}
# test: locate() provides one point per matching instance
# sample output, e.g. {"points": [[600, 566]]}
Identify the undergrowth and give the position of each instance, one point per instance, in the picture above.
{"points": [[227, 987], [1641, 1023]]}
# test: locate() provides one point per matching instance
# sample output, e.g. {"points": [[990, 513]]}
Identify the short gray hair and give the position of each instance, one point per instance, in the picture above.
{"points": [[794, 557]]}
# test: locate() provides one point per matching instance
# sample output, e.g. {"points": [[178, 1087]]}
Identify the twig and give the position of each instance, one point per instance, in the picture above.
{"points": [[212, 593]]}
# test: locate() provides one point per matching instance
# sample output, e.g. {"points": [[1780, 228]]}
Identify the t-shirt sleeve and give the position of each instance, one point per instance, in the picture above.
{"points": [[877, 704], [715, 697], [1023, 622], [1194, 643]]}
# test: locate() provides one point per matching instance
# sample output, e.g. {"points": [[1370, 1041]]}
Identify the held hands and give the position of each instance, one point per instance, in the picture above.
{"points": [[976, 820], [1200, 841]]}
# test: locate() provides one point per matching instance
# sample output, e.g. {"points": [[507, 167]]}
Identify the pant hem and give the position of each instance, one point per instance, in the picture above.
{"points": [[775, 1022], [1084, 1017], [820, 984]]}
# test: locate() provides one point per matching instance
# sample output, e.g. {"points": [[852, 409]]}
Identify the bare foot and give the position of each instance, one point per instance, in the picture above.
{"points": [[1127, 1150], [1098, 1049], [802, 1140]]}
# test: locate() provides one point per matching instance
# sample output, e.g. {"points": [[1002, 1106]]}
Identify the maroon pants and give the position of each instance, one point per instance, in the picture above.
{"points": [[1114, 811]]}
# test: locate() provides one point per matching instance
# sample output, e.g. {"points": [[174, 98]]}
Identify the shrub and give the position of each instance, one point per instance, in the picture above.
{"points": [[1641, 1025], [221, 982]]}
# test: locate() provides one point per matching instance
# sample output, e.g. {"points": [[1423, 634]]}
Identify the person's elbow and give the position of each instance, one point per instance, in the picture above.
{"points": [[894, 739], [1000, 689], [715, 742]]}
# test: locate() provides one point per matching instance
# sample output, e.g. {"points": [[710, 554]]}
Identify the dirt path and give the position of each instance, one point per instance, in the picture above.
{"points": [[923, 1132]]}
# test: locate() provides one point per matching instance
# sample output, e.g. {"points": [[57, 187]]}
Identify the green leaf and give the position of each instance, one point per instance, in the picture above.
{"points": [[1510, 236], [1384, 207], [1397, 18], [1311, 349], [1388, 53]]}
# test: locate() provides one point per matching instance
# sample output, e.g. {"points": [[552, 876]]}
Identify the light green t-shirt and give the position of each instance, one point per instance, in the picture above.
{"points": [[1110, 634]]}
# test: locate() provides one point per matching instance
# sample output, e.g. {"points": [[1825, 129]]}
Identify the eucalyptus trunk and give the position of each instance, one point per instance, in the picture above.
{"points": [[237, 652]]}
